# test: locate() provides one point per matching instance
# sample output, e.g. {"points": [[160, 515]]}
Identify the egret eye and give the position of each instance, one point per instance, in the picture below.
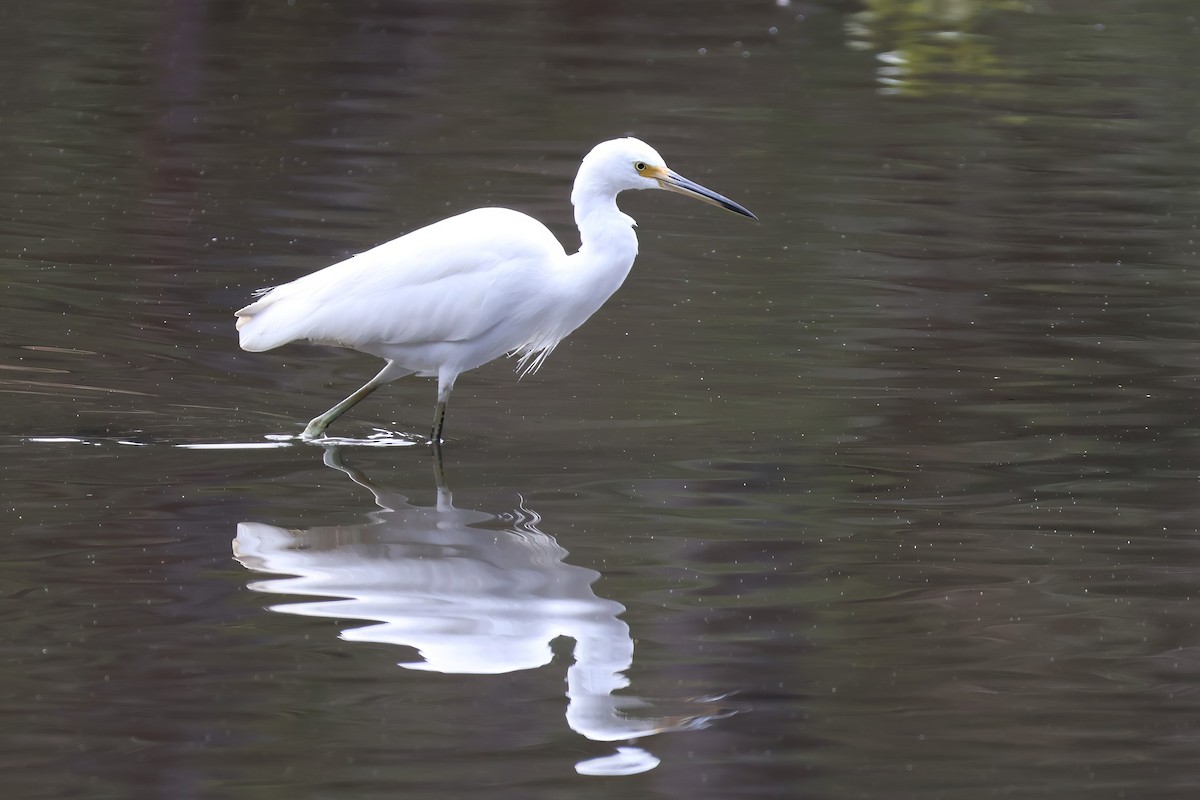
{"points": [[640, 166]]}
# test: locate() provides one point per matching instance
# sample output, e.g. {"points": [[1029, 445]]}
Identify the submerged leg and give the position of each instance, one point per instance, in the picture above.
{"points": [[445, 501], [318, 425], [439, 421]]}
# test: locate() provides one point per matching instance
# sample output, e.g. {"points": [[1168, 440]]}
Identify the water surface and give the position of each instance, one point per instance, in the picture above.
{"points": [[891, 494]]}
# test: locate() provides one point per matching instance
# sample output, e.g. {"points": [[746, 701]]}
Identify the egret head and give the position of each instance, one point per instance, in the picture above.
{"points": [[621, 164]]}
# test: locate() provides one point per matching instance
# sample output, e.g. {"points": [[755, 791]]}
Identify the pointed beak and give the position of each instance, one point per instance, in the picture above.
{"points": [[674, 182]]}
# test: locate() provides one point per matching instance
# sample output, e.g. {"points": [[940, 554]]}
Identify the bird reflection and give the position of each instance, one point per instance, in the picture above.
{"points": [[469, 600]]}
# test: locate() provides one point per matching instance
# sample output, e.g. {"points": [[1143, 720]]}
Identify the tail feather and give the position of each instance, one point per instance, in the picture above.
{"points": [[255, 331]]}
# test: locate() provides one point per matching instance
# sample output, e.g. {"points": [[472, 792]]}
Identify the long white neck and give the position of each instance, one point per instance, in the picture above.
{"points": [[608, 244]]}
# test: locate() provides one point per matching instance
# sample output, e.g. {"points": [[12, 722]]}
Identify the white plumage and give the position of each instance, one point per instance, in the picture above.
{"points": [[458, 293]]}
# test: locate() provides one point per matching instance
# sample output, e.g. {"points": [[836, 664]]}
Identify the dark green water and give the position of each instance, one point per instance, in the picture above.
{"points": [[892, 494]]}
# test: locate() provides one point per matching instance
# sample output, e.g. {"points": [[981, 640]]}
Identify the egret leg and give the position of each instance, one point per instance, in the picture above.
{"points": [[317, 426], [445, 386]]}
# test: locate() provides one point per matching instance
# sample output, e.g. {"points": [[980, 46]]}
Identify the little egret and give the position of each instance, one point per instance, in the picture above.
{"points": [[458, 293]]}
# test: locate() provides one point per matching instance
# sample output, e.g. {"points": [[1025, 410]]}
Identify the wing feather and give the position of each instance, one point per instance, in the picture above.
{"points": [[451, 281]]}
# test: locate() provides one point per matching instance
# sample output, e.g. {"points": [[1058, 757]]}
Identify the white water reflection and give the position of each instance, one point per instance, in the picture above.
{"points": [[470, 600]]}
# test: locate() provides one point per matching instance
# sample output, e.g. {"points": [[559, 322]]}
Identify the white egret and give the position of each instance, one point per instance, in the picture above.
{"points": [[454, 295]]}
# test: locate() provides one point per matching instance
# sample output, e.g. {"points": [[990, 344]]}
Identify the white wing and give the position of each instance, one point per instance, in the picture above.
{"points": [[452, 281]]}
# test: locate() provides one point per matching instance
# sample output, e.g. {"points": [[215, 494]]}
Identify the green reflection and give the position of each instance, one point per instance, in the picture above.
{"points": [[931, 47]]}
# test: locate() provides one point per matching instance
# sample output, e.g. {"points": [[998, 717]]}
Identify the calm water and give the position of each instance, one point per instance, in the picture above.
{"points": [[891, 494]]}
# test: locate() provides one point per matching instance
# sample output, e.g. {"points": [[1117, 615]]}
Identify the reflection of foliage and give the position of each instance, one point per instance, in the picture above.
{"points": [[931, 46]]}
